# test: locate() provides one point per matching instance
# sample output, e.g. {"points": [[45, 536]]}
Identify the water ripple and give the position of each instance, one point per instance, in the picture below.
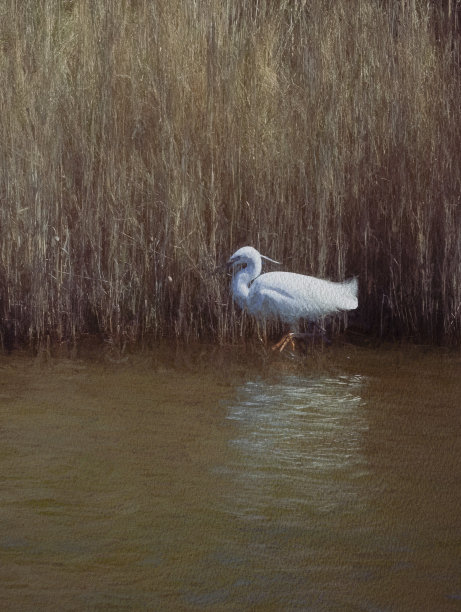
{"points": [[298, 442]]}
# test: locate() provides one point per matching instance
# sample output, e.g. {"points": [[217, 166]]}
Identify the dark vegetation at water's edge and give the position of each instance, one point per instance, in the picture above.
{"points": [[143, 142]]}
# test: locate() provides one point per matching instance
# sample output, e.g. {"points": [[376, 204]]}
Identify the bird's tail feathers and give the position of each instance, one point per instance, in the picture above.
{"points": [[352, 285]]}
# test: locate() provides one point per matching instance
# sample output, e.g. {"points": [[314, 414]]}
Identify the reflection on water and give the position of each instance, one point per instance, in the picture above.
{"points": [[174, 482], [299, 442]]}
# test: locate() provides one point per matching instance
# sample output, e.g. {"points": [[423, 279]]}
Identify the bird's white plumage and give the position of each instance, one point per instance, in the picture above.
{"points": [[286, 295]]}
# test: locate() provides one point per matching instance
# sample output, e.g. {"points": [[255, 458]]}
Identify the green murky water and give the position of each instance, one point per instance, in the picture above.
{"points": [[206, 479]]}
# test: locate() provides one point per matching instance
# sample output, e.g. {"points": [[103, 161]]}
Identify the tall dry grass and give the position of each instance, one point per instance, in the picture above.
{"points": [[143, 142]]}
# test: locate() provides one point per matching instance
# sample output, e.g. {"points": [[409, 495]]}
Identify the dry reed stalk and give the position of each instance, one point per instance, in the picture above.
{"points": [[144, 142]]}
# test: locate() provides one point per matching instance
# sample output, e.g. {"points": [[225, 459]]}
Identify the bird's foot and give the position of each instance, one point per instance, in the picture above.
{"points": [[287, 339]]}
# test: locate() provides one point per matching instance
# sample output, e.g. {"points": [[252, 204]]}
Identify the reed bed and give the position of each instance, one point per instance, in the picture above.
{"points": [[143, 142]]}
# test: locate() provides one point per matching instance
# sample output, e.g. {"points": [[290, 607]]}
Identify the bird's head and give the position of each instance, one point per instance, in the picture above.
{"points": [[246, 256]]}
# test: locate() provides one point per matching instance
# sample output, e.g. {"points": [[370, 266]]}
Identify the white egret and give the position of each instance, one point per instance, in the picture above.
{"points": [[286, 296]]}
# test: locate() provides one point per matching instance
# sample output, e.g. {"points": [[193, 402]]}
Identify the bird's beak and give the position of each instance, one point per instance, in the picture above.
{"points": [[225, 267], [272, 260]]}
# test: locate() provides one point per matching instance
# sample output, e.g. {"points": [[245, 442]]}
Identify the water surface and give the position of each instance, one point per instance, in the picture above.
{"points": [[205, 478]]}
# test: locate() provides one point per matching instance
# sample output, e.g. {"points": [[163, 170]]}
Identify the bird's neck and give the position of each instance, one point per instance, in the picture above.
{"points": [[241, 287], [242, 280]]}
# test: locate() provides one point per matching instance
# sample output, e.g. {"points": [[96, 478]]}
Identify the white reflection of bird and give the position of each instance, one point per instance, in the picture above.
{"points": [[286, 295]]}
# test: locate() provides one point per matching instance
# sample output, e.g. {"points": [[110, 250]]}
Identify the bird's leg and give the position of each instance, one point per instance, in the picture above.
{"points": [[320, 328], [258, 332], [323, 332], [261, 337], [291, 341]]}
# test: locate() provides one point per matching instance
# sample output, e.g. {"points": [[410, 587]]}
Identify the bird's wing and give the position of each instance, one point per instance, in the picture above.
{"points": [[293, 296], [271, 302], [275, 295]]}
